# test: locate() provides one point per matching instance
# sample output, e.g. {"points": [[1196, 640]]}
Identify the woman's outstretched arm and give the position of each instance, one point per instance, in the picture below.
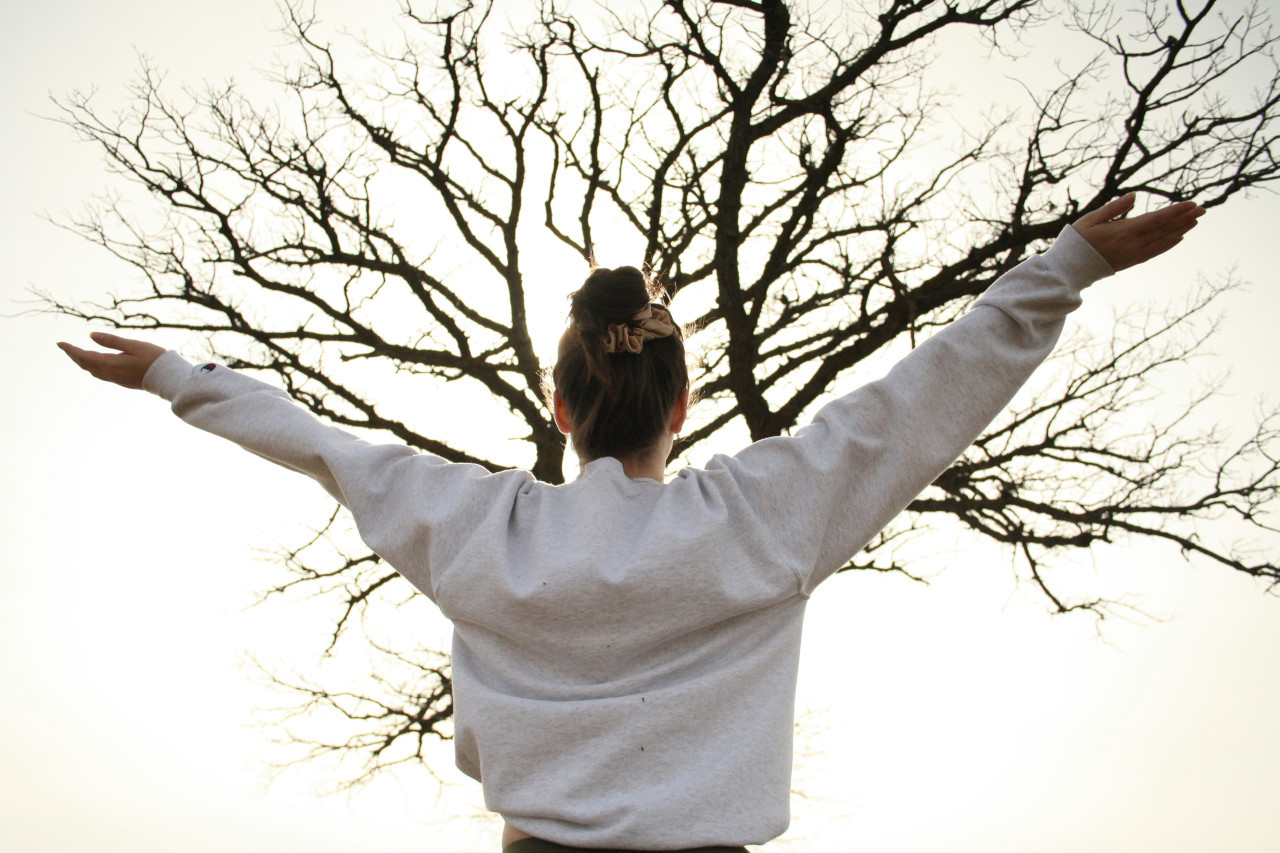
{"points": [[825, 491], [406, 504]]}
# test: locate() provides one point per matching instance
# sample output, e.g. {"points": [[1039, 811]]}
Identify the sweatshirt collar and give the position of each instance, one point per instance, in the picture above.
{"points": [[612, 466]]}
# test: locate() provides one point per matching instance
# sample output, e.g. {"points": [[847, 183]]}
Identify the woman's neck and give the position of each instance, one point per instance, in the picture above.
{"points": [[649, 465]]}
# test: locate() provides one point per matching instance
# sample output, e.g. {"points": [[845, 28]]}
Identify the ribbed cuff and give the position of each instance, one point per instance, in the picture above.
{"points": [[165, 376], [1081, 256]]}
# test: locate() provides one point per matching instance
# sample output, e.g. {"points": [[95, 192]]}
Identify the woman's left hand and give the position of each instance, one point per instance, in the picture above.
{"points": [[1124, 243], [125, 367]]}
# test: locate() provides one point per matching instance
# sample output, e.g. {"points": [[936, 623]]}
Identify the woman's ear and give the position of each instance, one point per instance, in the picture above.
{"points": [[561, 412], [679, 412]]}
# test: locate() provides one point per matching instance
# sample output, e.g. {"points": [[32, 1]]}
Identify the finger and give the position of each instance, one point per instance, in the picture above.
{"points": [[73, 352], [94, 362], [98, 364], [111, 341], [1162, 241], [1174, 223], [1169, 218], [101, 365], [83, 359], [1161, 246], [87, 357], [1109, 211]]}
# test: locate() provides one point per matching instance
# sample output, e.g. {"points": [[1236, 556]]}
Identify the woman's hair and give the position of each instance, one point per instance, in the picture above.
{"points": [[620, 403]]}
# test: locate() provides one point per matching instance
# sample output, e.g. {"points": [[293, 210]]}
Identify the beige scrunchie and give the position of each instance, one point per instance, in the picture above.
{"points": [[651, 321]]}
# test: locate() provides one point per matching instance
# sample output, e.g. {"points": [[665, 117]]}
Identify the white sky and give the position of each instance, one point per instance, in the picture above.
{"points": [[956, 716]]}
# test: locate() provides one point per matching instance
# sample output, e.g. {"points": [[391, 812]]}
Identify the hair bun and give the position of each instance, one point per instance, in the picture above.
{"points": [[609, 296]]}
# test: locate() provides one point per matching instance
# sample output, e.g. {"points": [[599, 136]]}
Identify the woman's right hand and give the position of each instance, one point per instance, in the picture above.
{"points": [[126, 367]]}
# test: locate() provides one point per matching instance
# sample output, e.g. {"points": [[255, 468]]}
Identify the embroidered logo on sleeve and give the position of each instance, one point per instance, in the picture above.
{"points": [[207, 368]]}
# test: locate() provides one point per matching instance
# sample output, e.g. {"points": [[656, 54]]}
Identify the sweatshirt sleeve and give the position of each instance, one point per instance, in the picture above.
{"points": [[824, 492], [407, 505]]}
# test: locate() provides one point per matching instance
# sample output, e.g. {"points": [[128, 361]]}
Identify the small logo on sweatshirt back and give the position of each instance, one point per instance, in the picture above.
{"points": [[207, 368]]}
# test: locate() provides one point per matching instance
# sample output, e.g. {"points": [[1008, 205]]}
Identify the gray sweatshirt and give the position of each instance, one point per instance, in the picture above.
{"points": [[625, 651]]}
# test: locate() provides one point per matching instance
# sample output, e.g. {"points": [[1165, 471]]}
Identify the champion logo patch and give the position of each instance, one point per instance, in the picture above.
{"points": [[207, 368]]}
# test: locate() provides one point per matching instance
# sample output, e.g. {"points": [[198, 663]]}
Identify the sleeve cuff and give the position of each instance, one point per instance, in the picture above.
{"points": [[1081, 256], [166, 375]]}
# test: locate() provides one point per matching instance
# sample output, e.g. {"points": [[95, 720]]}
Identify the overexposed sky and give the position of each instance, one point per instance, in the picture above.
{"points": [[956, 716]]}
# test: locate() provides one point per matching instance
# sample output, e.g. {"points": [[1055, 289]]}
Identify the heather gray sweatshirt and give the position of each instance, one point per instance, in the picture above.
{"points": [[625, 651]]}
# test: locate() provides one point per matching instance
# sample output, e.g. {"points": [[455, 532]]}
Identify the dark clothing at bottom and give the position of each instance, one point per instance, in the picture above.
{"points": [[537, 845]]}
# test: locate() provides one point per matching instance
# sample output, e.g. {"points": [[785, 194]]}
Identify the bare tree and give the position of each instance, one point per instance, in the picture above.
{"points": [[800, 194]]}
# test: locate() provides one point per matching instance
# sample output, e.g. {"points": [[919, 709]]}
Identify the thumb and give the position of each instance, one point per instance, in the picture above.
{"points": [[111, 341], [1109, 211]]}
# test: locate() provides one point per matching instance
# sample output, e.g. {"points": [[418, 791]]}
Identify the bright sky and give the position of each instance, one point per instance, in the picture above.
{"points": [[956, 716]]}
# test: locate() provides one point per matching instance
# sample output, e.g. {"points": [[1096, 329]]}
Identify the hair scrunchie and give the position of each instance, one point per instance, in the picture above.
{"points": [[651, 321]]}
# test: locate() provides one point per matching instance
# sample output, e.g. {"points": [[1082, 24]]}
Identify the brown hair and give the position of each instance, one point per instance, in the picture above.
{"points": [[619, 403]]}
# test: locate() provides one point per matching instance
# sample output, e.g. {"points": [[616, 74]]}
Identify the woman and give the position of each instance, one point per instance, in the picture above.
{"points": [[625, 648]]}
